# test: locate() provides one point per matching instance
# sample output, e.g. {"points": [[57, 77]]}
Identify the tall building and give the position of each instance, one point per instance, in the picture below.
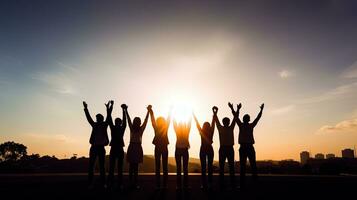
{"points": [[330, 155], [304, 157], [348, 153], [320, 156]]}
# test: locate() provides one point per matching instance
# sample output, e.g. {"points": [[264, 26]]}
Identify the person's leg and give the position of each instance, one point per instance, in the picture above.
{"points": [[230, 155], [221, 166], [210, 156], [157, 165], [92, 157], [253, 162], [243, 162], [165, 155], [111, 166], [102, 164], [185, 167], [178, 167], [120, 167], [136, 171], [203, 167], [131, 172]]}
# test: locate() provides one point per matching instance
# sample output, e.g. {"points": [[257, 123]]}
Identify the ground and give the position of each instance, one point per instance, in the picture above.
{"points": [[73, 186]]}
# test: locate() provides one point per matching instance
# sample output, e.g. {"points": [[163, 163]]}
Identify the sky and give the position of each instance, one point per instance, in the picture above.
{"points": [[297, 57]]}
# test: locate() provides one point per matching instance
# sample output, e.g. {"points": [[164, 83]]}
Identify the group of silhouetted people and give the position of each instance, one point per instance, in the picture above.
{"points": [[99, 139]]}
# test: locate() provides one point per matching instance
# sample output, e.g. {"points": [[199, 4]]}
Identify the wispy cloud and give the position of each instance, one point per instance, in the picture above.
{"points": [[346, 126], [284, 74], [350, 72], [60, 81], [283, 110], [338, 92], [50, 138]]}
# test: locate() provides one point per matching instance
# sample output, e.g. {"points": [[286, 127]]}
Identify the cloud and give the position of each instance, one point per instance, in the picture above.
{"points": [[283, 110], [346, 126], [59, 138], [350, 72], [338, 92], [284, 74], [60, 81]]}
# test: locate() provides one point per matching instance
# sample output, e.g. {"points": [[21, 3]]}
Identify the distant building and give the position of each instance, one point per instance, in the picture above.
{"points": [[348, 153], [330, 155], [304, 157], [320, 156]]}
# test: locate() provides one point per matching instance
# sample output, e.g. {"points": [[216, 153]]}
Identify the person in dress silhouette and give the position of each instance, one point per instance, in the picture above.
{"points": [[135, 151], [206, 151], [98, 140], [226, 150], [246, 141], [182, 130], [117, 145], [161, 140]]}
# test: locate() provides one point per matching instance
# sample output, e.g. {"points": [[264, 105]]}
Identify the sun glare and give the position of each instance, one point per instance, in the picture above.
{"points": [[182, 111]]}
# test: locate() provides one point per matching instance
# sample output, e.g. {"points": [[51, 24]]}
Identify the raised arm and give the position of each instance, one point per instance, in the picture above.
{"points": [[109, 107], [124, 107], [197, 123], [259, 115], [239, 106], [152, 117], [86, 111], [146, 119], [168, 119], [215, 117], [129, 119], [188, 125], [230, 105], [176, 126], [213, 124]]}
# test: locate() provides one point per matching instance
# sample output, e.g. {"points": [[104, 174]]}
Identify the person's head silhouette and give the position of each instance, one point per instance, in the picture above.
{"points": [[136, 123], [118, 122], [226, 121], [99, 117], [246, 118], [161, 123], [206, 127]]}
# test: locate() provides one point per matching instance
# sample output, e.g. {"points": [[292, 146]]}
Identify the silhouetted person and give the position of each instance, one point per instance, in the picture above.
{"points": [[182, 130], [226, 150], [135, 151], [117, 145], [98, 140], [206, 150], [246, 141], [161, 140]]}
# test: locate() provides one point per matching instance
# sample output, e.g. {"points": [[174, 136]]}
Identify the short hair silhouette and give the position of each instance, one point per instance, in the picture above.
{"points": [[226, 121], [246, 118], [136, 123], [161, 122], [118, 121], [206, 127], [100, 117]]}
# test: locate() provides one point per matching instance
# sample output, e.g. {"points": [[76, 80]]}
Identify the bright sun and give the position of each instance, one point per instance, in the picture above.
{"points": [[182, 111]]}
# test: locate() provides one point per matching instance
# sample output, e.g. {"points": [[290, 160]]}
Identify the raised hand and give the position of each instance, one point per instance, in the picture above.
{"points": [[215, 109], [149, 107], [107, 104], [124, 106], [239, 106], [85, 104], [262, 106], [230, 105]]}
